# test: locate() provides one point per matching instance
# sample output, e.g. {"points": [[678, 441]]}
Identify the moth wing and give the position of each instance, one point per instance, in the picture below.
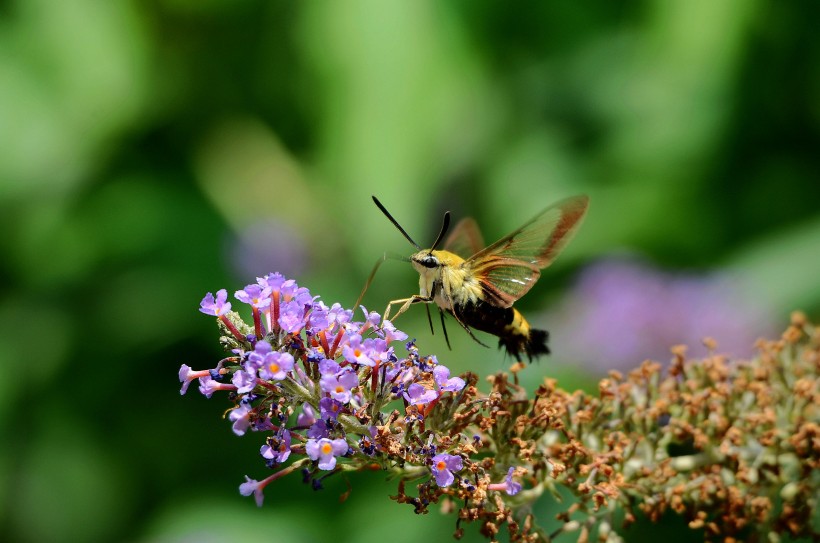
{"points": [[510, 267], [465, 239]]}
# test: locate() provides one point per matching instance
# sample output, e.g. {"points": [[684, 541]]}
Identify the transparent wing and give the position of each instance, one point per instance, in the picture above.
{"points": [[510, 267], [465, 239]]}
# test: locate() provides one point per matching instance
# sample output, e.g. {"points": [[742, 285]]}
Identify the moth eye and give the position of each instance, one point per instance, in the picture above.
{"points": [[429, 262]]}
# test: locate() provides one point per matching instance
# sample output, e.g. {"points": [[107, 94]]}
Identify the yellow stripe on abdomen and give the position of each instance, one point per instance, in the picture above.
{"points": [[519, 325]]}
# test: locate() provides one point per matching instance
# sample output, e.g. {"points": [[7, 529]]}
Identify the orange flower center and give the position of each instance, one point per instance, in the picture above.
{"points": [[326, 448]]}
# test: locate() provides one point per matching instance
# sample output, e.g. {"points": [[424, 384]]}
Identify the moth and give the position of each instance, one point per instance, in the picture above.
{"points": [[478, 284]]}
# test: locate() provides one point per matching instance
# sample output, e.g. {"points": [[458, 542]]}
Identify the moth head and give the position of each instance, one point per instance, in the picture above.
{"points": [[426, 259]]}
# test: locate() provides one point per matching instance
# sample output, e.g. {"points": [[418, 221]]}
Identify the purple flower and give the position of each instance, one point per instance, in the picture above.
{"points": [[186, 375], [318, 319], [262, 424], [252, 486], [391, 371], [307, 416], [208, 386], [443, 467], [272, 280], [329, 408], [293, 292], [338, 386], [391, 333], [325, 451], [276, 366], [254, 295], [257, 358], [363, 353], [217, 307], [288, 289], [511, 487], [244, 381], [292, 317], [277, 449], [371, 317], [317, 430], [240, 416], [329, 367], [445, 382], [417, 394], [339, 315]]}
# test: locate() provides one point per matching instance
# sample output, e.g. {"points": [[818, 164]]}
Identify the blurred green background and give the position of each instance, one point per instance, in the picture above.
{"points": [[153, 151]]}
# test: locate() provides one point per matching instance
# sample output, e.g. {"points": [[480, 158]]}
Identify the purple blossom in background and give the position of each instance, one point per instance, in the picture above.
{"points": [[621, 311], [325, 451], [443, 467], [268, 244]]}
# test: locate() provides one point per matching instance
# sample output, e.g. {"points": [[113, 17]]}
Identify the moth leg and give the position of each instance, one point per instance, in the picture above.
{"points": [[443, 327], [406, 302], [430, 321], [453, 313], [370, 277], [467, 329]]}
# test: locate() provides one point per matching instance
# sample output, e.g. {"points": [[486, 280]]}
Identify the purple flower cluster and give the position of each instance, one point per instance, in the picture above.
{"points": [[318, 383], [635, 311]]}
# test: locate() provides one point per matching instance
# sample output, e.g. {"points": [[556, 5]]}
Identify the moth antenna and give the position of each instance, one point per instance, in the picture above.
{"points": [[444, 226], [395, 223]]}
